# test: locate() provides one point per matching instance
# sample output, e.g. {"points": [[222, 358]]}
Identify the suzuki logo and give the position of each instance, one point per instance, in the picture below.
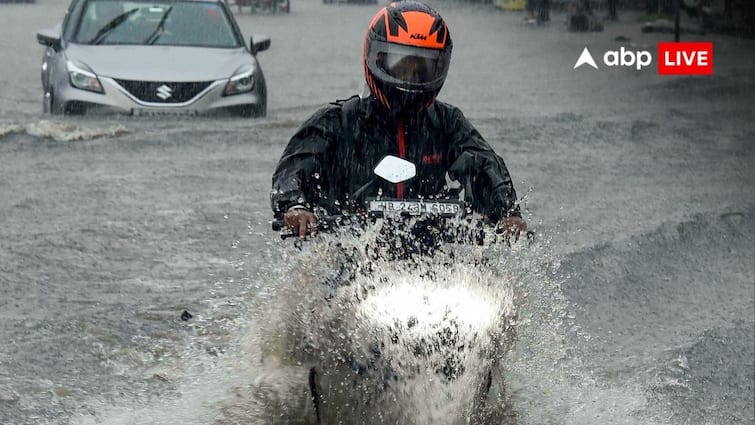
{"points": [[164, 92]]}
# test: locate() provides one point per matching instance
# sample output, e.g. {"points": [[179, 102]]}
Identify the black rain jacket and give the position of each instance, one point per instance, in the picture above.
{"points": [[333, 154]]}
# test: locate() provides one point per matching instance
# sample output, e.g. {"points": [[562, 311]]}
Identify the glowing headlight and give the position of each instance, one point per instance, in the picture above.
{"points": [[240, 83], [83, 79]]}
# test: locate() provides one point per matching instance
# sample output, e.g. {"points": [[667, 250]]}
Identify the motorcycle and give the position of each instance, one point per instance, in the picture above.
{"points": [[369, 331]]}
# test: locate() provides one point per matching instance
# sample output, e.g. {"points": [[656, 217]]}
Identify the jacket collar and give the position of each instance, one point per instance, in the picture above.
{"points": [[373, 112]]}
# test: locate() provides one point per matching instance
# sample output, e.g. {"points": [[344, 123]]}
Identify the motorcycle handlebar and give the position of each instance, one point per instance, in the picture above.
{"points": [[329, 222], [324, 224]]}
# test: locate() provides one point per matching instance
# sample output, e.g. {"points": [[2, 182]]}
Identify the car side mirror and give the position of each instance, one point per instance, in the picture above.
{"points": [[261, 45], [395, 169], [49, 37]]}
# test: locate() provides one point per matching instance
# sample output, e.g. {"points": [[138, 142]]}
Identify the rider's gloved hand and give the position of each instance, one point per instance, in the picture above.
{"points": [[512, 226], [300, 221]]}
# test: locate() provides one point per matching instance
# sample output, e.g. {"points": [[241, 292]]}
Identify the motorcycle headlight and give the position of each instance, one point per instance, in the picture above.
{"points": [[242, 82], [83, 79]]}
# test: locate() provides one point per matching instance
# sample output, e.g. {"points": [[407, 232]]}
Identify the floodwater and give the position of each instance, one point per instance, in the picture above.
{"points": [[635, 305]]}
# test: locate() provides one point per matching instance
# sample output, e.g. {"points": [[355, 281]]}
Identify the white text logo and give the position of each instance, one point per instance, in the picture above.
{"points": [[622, 57]]}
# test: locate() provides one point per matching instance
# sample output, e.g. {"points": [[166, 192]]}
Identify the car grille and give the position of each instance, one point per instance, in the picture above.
{"points": [[163, 92]]}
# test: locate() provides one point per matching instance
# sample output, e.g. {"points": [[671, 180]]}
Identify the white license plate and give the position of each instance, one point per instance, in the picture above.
{"points": [[401, 207]]}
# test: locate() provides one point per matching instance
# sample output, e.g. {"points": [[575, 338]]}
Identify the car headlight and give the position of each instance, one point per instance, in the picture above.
{"points": [[240, 83], [83, 79]]}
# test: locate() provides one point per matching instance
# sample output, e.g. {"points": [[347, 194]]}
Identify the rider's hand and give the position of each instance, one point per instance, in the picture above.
{"points": [[300, 221], [512, 226]]}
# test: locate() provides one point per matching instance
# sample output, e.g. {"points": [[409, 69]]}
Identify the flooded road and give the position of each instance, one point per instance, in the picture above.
{"points": [[132, 250]]}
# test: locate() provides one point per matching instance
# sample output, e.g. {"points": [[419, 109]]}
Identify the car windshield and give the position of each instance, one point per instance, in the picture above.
{"points": [[175, 23]]}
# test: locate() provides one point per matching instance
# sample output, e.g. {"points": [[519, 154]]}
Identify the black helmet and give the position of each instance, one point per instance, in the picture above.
{"points": [[406, 55]]}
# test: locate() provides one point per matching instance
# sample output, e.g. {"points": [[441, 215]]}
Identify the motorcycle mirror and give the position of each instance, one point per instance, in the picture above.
{"points": [[395, 169]]}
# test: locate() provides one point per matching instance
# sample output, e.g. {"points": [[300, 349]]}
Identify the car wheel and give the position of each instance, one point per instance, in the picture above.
{"points": [[50, 104], [74, 108], [47, 103]]}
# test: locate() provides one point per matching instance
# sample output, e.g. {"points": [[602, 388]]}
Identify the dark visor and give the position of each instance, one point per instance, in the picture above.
{"points": [[413, 69], [409, 64]]}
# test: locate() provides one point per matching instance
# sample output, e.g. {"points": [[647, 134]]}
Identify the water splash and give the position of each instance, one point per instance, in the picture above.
{"points": [[63, 131], [356, 339]]}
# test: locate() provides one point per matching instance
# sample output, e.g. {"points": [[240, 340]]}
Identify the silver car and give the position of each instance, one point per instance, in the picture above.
{"points": [[153, 57]]}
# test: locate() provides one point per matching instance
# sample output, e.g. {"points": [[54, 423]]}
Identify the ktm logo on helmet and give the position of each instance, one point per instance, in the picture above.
{"points": [[418, 37]]}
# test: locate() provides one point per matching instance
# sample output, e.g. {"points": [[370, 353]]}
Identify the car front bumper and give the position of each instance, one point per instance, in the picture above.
{"points": [[117, 98]]}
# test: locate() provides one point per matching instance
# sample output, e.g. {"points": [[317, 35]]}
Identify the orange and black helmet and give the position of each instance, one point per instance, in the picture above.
{"points": [[406, 55]]}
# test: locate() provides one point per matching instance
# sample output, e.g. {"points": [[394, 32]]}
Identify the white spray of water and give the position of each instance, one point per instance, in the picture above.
{"points": [[501, 308], [547, 383], [377, 341], [62, 131]]}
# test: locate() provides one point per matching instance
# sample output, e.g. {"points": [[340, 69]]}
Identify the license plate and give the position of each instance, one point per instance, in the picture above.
{"points": [[162, 113], [406, 207]]}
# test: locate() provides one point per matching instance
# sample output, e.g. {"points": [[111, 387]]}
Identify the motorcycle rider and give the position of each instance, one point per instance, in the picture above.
{"points": [[329, 161]]}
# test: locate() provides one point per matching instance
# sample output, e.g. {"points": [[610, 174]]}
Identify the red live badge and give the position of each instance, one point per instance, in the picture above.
{"points": [[685, 58]]}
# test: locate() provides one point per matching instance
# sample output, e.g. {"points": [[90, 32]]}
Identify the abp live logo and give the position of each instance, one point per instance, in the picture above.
{"points": [[687, 58], [674, 58]]}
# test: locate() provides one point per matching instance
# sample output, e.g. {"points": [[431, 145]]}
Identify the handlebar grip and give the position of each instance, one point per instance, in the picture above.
{"points": [[326, 223]]}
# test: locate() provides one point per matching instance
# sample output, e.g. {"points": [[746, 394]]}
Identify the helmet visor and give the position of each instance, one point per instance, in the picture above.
{"points": [[408, 67]]}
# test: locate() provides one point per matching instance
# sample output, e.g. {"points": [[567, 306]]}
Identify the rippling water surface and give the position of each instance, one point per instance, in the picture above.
{"points": [[136, 258]]}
